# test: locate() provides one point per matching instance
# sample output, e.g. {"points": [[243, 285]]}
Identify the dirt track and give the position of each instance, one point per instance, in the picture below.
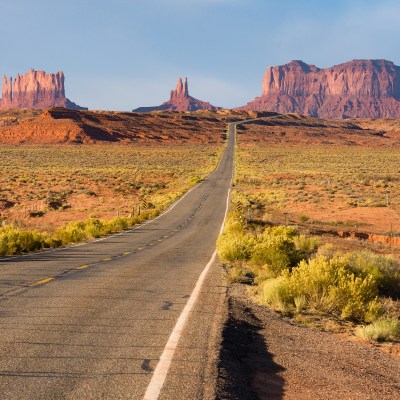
{"points": [[266, 357]]}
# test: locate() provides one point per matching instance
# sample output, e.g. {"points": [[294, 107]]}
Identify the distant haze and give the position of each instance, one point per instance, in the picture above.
{"points": [[125, 54]]}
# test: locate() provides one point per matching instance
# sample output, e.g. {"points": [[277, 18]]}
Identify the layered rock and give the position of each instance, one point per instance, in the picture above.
{"points": [[180, 100], [359, 88], [35, 89]]}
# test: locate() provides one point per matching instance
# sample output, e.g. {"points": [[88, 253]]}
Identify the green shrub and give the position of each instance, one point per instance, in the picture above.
{"points": [[279, 248], [380, 330], [235, 247], [328, 285], [276, 252], [306, 246], [14, 240], [384, 269], [235, 274], [304, 218], [300, 303], [75, 232], [276, 293]]}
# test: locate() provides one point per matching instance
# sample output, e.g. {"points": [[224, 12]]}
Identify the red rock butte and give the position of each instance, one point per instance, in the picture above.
{"points": [[180, 100], [35, 89], [356, 89]]}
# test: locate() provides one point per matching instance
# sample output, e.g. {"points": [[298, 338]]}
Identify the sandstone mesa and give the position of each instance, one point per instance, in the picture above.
{"points": [[180, 100], [35, 89], [356, 89]]}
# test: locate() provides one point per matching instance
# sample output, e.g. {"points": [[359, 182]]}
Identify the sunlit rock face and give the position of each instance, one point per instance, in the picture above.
{"points": [[35, 89], [359, 88]]}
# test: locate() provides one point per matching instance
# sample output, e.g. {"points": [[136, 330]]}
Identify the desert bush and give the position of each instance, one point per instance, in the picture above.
{"points": [[267, 251], [328, 285], [384, 269], [14, 240], [236, 274], [380, 330], [275, 248], [304, 218], [306, 246], [235, 247], [75, 232], [57, 199], [276, 293], [300, 302]]}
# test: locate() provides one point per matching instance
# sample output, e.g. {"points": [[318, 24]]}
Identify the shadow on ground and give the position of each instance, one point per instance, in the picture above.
{"points": [[246, 370]]}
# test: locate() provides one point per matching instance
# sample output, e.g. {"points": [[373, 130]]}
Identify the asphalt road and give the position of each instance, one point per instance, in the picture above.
{"points": [[91, 321]]}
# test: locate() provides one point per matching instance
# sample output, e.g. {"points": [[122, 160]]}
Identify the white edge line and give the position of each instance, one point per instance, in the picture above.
{"points": [[160, 373]]}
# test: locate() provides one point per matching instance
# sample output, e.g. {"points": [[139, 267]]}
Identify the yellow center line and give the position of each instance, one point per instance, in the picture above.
{"points": [[125, 253], [41, 282], [83, 267], [140, 248], [107, 259]]}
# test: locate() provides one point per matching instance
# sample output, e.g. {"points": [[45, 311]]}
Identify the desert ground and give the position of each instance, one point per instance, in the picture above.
{"points": [[60, 165], [330, 185], [330, 175]]}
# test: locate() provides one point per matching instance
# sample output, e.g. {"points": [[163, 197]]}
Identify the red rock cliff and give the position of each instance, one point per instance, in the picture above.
{"points": [[35, 89], [359, 88], [180, 100]]}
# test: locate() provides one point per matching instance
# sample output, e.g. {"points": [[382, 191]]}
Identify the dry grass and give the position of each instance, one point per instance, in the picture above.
{"points": [[47, 187], [337, 186]]}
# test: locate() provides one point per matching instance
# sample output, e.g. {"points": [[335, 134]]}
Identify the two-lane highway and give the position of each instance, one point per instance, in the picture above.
{"points": [[92, 321]]}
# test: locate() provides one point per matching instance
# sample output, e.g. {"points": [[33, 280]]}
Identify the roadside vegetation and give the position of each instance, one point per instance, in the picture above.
{"points": [[56, 195], [282, 193], [15, 240], [290, 273]]}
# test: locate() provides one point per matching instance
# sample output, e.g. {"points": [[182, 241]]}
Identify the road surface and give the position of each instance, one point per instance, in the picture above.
{"points": [[91, 321]]}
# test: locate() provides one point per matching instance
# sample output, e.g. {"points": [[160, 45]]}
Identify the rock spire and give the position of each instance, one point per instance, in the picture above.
{"points": [[180, 100]]}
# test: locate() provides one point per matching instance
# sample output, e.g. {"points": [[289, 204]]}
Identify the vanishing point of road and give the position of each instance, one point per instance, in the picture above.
{"points": [[94, 320]]}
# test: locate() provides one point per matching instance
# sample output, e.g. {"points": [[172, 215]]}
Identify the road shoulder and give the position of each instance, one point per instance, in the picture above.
{"points": [[193, 372], [266, 356]]}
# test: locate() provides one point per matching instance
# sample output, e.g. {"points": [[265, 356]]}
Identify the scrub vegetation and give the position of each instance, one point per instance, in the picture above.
{"points": [[55, 195], [284, 192], [290, 273], [342, 187]]}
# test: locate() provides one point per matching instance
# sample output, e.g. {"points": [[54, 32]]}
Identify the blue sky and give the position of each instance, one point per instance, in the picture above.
{"points": [[122, 54]]}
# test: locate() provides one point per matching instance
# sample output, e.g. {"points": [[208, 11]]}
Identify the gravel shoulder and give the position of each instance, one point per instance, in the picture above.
{"points": [[264, 356]]}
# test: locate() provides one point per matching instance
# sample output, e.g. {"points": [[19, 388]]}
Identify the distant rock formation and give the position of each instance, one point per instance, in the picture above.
{"points": [[359, 88], [35, 89], [60, 125], [180, 100]]}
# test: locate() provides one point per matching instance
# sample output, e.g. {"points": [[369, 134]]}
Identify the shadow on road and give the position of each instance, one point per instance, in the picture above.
{"points": [[246, 370]]}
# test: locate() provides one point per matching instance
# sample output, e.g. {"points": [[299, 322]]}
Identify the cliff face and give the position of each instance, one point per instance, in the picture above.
{"points": [[35, 89], [359, 88], [180, 100]]}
